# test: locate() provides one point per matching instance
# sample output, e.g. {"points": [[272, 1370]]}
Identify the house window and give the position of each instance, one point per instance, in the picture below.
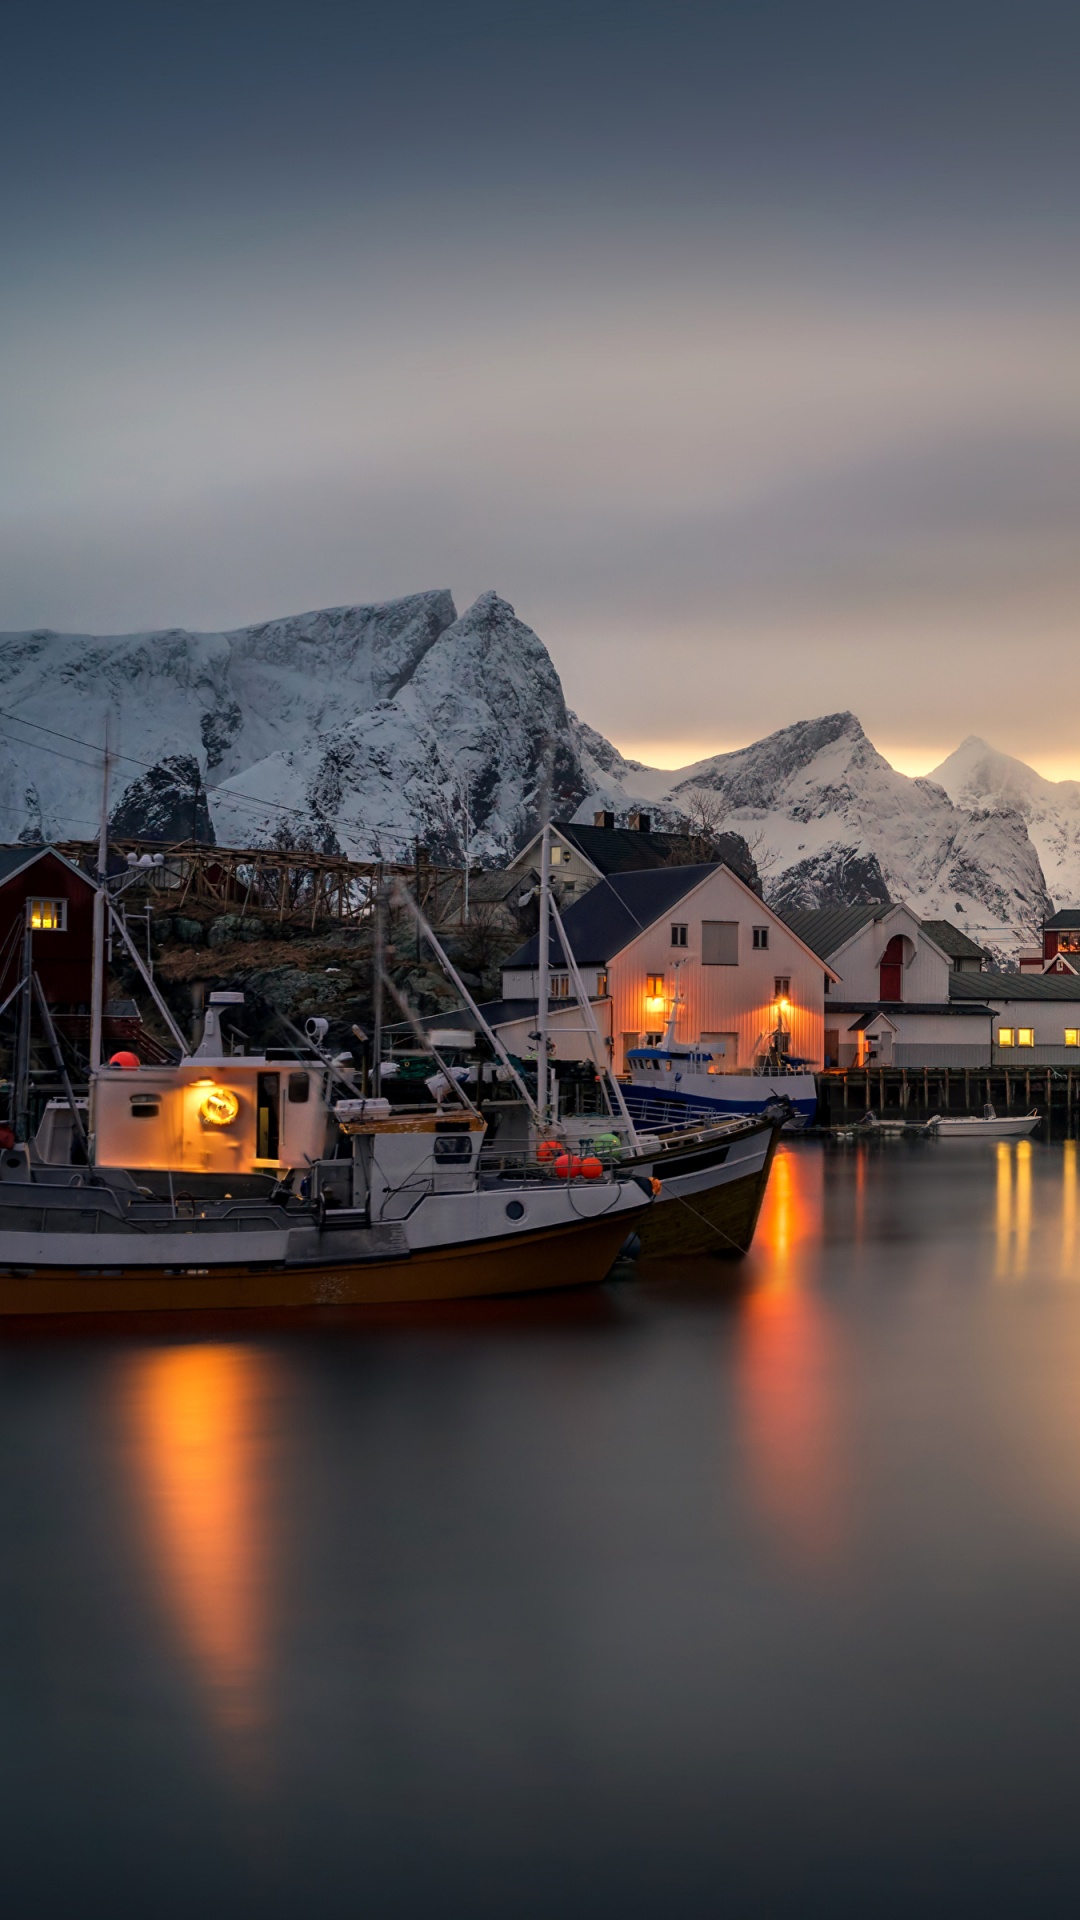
{"points": [[782, 986], [760, 939], [1025, 1036], [559, 986], [719, 943], [1072, 1036], [652, 1039], [601, 985], [678, 935], [47, 916], [556, 856], [1006, 1037], [654, 993]]}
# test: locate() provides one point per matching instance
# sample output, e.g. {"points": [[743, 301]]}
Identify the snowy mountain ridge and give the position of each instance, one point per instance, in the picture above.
{"points": [[362, 729]]}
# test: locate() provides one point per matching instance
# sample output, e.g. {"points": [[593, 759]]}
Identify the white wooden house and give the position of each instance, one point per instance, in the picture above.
{"points": [[693, 938]]}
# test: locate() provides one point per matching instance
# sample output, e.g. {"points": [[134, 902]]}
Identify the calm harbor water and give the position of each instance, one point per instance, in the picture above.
{"points": [[750, 1590]]}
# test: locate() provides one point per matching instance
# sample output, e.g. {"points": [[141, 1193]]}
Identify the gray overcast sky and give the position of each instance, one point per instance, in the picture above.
{"points": [[736, 345]]}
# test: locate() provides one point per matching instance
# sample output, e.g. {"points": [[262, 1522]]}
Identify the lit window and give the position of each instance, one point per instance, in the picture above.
{"points": [[654, 993], [1006, 1037], [601, 985], [559, 986], [1025, 1036], [46, 916], [760, 939], [781, 986], [1072, 1036], [556, 856], [678, 935]]}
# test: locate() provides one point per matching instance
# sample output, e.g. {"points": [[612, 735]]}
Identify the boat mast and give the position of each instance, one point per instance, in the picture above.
{"points": [[543, 1073], [97, 990], [22, 1040], [378, 963]]}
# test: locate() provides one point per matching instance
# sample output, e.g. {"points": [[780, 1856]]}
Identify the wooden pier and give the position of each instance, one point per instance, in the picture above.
{"points": [[846, 1093]]}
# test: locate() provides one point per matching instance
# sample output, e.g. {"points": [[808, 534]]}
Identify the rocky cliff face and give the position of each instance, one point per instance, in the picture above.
{"points": [[361, 729], [978, 777], [830, 822]]}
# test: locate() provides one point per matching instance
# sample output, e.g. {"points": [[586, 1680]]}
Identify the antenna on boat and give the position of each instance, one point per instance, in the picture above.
{"points": [[405, 898], [97, 991]]}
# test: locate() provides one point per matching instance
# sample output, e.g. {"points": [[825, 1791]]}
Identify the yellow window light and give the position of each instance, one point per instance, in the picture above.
{"points": [[1025, 1036], [1072, 1036], [220, 1107], [1006, 1036]]}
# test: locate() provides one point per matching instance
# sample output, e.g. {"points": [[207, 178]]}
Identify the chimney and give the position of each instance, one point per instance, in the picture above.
{"points": [[603, 820], [641, 823]]}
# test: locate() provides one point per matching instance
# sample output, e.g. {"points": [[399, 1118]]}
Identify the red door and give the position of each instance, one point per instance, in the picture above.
{"points": [[891, 970]]}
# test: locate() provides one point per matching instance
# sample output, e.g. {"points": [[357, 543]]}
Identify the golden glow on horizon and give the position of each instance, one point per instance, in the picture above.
{"points": [[667, 755]]}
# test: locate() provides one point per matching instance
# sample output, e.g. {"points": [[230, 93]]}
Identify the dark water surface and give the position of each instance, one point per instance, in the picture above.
{"points": [[751, 1591]]}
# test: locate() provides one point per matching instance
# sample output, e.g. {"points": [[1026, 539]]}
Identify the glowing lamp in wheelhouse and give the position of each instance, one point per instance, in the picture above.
{"points": [[219, 1107]]}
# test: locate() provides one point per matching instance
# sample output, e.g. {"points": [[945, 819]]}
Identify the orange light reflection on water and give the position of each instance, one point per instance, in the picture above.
{"points": [[789, 1370], [197, 1416], [1013, 1209]]}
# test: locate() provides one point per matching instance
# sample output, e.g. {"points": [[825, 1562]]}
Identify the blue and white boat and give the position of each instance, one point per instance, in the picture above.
{"points": [[675, 1084]]}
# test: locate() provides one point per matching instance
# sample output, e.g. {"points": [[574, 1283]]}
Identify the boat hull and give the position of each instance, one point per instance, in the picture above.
{"points": [[714, 1210], [1016, 1127], [570, 1255], [698, 1094]]}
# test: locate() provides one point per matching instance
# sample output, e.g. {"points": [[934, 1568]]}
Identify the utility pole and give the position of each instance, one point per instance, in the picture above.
{"points": [[543, 1075], [97, 992]]}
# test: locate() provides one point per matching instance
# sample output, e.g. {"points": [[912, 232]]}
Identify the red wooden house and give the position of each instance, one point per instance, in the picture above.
{"points": [[41, 888]]}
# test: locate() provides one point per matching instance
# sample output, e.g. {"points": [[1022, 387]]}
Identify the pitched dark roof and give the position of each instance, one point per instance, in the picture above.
{"points": [[958, 945], [614, 912], [624, 850], [13, 858], [825, 929], [1014, 986], [1068, 917]]}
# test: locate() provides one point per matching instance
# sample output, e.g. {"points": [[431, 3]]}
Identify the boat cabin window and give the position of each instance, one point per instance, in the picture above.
{"points": [[47, 916], [453, 1146], [299, 1089], [144, 1108], [267, 1116]]}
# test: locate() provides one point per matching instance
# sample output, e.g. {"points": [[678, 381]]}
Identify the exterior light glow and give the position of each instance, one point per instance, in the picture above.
{"points": [[220, 1107]]}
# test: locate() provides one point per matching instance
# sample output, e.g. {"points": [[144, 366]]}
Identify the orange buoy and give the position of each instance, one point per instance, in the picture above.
{"points": [[126, 1060], [591, 1168], [568, 1166], [548, 1149]]}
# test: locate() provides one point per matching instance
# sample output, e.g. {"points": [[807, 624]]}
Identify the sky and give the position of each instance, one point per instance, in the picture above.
{"points": [[736, 345]]}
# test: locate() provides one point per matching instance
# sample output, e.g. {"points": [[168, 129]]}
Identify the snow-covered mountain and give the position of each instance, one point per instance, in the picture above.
{"points": [[360, 728], [829, 821], [353, 729], [977, 776]]}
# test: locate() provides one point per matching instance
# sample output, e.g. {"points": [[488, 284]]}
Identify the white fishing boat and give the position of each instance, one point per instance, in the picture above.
{"points": [[989, 1125]]}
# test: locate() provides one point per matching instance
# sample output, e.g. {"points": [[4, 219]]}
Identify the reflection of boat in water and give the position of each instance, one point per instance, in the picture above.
{"points": [[990, 1125]]}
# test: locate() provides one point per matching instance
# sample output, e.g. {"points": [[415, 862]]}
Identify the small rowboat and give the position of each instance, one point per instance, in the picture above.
{"points": [[988, 1126]]}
